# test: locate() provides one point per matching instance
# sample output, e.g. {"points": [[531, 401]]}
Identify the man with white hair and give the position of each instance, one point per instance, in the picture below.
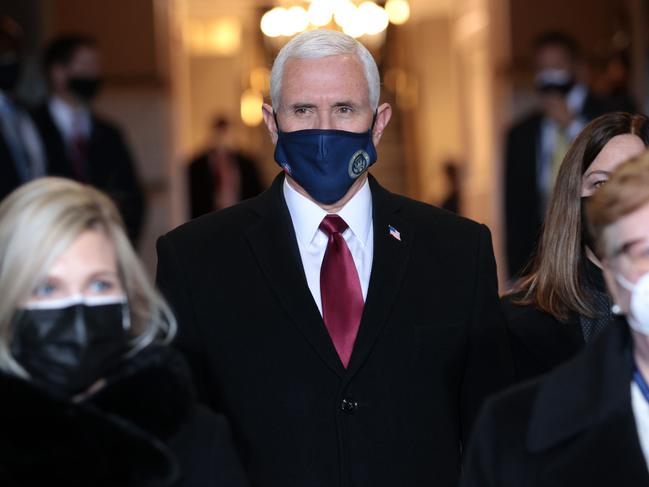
{"points": [[349, 334]]}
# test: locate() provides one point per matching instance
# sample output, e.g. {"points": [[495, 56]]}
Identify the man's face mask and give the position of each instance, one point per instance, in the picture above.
{"points": [[325, 162], [84, 88], [552, 80], [68, 344]]}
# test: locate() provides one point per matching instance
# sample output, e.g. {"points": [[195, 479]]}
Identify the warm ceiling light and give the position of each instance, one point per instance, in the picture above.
{"points": [[320, 12], [296, 20], [374, 18], [398, 11], [272, 21], [345, 14], [251, 102]]}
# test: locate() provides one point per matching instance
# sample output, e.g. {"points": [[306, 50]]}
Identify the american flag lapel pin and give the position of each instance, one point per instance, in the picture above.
{"points": [[394, 233]]}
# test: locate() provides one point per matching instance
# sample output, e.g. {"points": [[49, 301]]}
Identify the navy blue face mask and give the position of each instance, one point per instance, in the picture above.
{"points": [[325, 162]]}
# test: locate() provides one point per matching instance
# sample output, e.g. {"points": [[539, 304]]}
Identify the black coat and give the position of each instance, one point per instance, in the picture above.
{"points": [[431, 343], [9, 178], [523, 201], [574, 427], [539, 341], [143, 429], [201, 182], [110, 165]]}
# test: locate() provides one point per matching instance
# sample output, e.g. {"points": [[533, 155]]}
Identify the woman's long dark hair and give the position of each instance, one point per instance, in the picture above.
{"points": [[553, 283]]}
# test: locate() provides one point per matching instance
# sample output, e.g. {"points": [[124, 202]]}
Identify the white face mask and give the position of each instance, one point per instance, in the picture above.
{"points": [[638, 318]]}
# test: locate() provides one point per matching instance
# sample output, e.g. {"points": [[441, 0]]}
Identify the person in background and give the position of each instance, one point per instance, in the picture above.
{"points": [[617, 79], [453, 198], [91, 394], [561, 303], [221, 176], [79, 144], [21, 152], [349, 334], [537, 144], [586, 423]]}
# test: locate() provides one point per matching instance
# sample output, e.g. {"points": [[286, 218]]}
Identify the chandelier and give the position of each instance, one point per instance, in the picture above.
{"points": [[354, 18]]}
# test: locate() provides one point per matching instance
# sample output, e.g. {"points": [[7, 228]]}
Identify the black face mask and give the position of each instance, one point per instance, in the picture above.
{"points": [[586, 237], [9, 74], [68, 348], [86, 89]]}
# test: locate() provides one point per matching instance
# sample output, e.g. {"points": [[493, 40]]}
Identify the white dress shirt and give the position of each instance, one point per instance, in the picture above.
{"points": [[641, 413], [312, 242], [71, 121]]}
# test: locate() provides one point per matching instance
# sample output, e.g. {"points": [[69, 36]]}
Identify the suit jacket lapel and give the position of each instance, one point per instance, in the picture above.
{"points": [[274, 244], [389, 263]]}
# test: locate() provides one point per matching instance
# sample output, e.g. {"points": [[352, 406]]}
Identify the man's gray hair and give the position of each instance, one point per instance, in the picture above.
{"points": [[315, 44]]}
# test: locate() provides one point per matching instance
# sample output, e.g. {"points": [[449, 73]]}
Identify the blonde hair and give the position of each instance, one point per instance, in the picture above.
{"points": [[41, 219], [625, 192], [554, 284]]}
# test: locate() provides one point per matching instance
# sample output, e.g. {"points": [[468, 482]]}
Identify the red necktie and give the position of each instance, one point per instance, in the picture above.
{"points": [[340, 288]]}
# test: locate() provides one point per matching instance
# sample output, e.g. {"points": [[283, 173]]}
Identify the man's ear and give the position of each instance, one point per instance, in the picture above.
{"points": [[383, 115], [269, 120]]}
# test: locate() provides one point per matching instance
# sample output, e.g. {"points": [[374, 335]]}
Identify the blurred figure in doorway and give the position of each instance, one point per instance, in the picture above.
{"points": [[221, 176]]}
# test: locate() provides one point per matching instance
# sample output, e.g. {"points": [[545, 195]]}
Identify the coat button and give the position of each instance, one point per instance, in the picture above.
{"points": [[349, 406]]}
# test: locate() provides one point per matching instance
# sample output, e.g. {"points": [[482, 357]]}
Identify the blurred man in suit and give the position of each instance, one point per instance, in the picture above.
{"points": [[350, 334], [80, 144], [537, 144], [21, 152], [222, 175]]}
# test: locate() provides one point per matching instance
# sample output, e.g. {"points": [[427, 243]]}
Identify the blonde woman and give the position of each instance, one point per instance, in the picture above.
{"points": [[90, 393], [586, 423]]}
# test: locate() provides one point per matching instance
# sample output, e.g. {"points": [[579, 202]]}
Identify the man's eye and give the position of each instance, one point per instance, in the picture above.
{"points": [[44, 289], [345, 110], [301, 111]]}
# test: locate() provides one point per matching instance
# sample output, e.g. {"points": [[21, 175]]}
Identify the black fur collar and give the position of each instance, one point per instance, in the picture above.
{"points": [[114, 438]]}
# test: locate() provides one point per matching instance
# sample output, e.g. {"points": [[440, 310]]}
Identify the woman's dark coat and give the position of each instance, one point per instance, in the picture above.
{"points": [[142, 429]]}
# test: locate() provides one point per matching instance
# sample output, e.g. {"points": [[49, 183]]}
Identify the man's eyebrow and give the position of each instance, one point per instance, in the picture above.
{"points": [[345, 103], [302, 105]]}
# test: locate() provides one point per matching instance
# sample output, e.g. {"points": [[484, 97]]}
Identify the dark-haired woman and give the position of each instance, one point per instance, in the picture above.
{"points": [[587, 422], [561, 303]]}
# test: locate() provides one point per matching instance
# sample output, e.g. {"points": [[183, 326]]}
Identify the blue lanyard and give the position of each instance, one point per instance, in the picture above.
{"points": [[642, 384]]}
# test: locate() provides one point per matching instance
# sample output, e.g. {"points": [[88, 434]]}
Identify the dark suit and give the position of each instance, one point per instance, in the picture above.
{"points": [[9, 178], [431, 343], [539, 341], [109, 167], [574, 427], [201, 182], [524, 210]]}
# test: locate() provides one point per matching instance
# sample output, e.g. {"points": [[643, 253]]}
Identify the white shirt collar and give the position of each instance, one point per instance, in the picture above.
{"points": [[65, 117], [307, 215]]}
